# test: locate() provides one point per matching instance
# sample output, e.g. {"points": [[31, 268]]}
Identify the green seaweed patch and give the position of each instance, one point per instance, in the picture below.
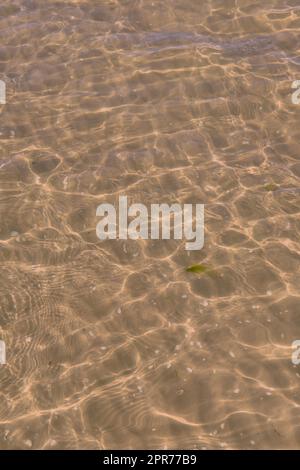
{"points": [[271, 187], [197, 268]]}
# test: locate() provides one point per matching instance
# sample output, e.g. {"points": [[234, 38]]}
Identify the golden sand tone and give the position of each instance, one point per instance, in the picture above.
{"points": [[114, 344]]}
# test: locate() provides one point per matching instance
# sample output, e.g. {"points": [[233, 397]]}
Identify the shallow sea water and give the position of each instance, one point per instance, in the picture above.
{"points": [[113, 344]]}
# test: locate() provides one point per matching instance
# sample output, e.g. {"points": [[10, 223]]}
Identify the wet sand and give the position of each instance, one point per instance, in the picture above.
{"points": [[113, 344]]}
